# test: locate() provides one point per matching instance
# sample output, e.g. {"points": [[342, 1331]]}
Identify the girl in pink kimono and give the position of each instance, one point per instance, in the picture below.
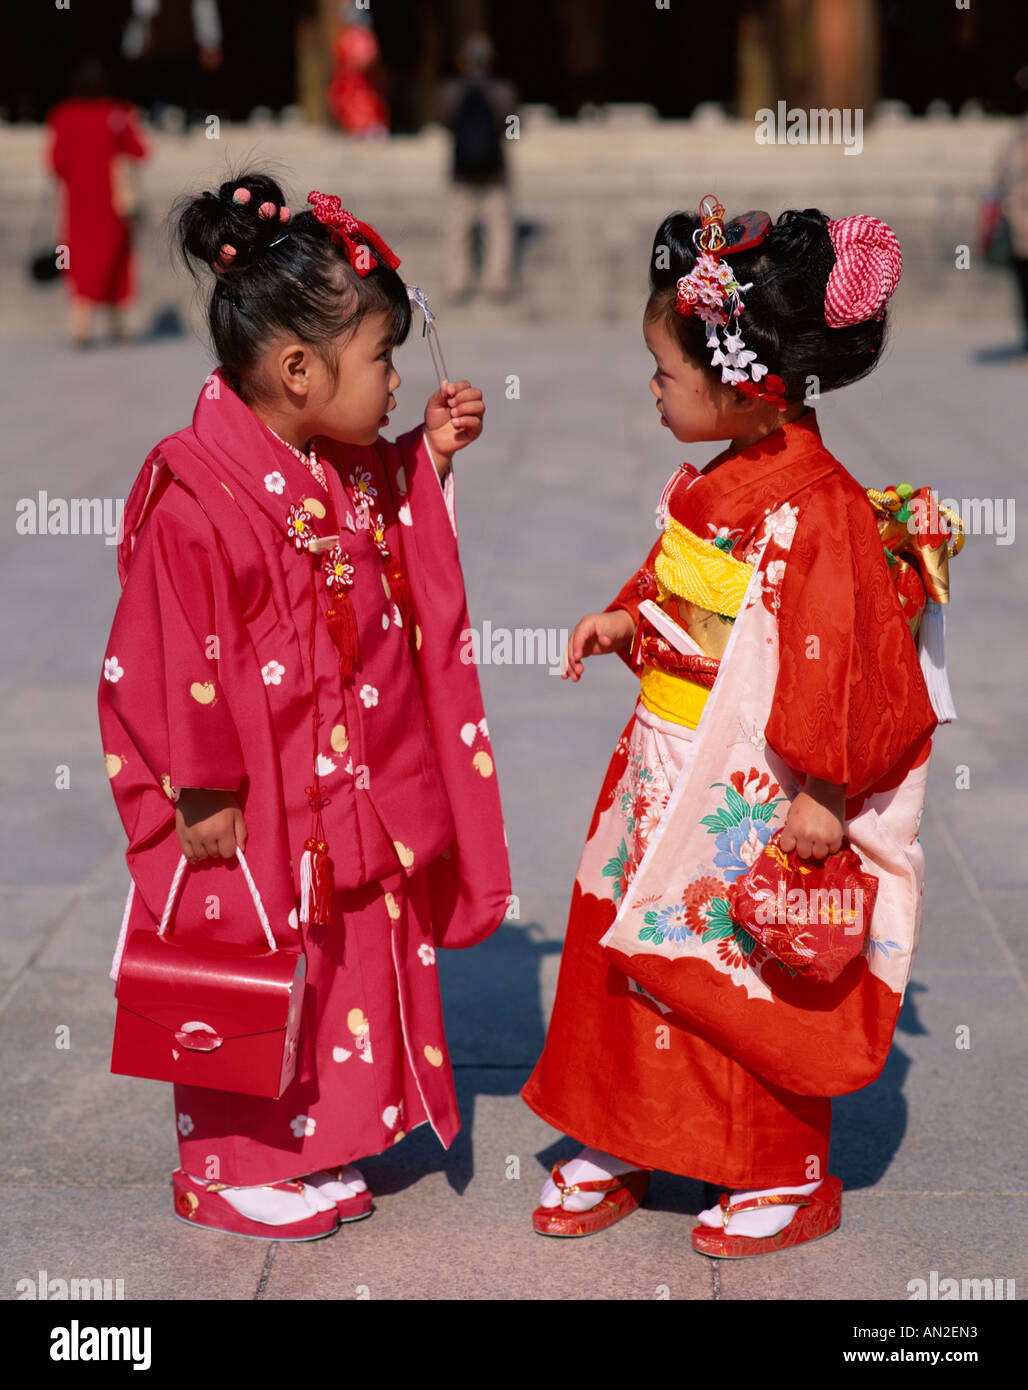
{"points": [[283, 676]]}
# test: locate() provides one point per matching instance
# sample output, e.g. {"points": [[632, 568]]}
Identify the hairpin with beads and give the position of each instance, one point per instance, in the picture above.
{"points": [[267, 210]]}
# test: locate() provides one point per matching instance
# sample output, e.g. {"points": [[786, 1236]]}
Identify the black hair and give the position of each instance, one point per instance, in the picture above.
{"points": [[783, 318], [90, 78], [286, 277]]}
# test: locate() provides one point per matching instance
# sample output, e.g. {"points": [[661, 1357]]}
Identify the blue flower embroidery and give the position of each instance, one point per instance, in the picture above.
{"points": [[730, 843]]}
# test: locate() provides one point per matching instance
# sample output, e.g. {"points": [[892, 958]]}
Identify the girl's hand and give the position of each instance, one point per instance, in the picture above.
{"points": [[814, 827], [209, 824], [453, 418], [597, 634]]}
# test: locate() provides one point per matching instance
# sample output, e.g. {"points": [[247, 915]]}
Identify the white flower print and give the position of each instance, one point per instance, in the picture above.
{"points": [[185, 1124], [274, 482], [112, 671], [774, 573], [303, 1126], [273, 673], [325, 765], [360, 481], [385, 622], [724, 533], [369, 695], [397, 619], [426, 954], [782, 525]]}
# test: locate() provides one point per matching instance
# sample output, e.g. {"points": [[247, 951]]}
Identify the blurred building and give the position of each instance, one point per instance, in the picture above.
{"points": [[563, 53]]}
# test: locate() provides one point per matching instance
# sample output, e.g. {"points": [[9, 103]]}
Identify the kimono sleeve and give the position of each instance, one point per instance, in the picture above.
{"points": [[55, 156], [169, 695], [850, 701], [642, 585], [128, 139]]}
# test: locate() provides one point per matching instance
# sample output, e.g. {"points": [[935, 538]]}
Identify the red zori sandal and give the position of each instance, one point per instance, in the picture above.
{"points": [[818, 1215], [626, 1193], [200, 1204]]}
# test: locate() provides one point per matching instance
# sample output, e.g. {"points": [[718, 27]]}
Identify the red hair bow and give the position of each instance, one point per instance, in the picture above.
{"points": [[349, 233]]}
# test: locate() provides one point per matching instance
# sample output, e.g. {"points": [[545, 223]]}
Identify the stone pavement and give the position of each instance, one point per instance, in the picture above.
{"points": [[556, 509]]}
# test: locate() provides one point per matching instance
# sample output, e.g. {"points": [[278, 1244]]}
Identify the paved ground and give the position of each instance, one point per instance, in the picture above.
{"points": [[555, 507]]}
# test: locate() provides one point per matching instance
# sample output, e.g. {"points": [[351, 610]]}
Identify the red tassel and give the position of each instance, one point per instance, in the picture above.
{"points": [[399, 587], [342, 628], [315, 884]]}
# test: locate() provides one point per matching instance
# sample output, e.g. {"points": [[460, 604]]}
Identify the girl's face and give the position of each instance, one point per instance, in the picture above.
{"points": [[691, 406], [356, 407]]}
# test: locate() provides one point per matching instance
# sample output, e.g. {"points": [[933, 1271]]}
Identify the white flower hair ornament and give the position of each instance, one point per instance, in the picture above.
{"points": [[712, 293]]}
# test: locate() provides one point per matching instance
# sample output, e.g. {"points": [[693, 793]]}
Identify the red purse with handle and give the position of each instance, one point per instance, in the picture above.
{"points": [[221, 1015], [811, 914]]}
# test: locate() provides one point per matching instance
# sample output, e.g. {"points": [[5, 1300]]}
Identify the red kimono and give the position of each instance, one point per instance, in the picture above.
{"points": [[677, 1042], [207, 682], [86, 135]]}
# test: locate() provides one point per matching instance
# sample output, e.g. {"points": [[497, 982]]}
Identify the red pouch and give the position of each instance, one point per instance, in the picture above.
{"points": [[219, 1015], [811, 914]]}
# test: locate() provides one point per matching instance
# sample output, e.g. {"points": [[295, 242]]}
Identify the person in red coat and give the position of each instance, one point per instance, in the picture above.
{"points": [[92, 137]]}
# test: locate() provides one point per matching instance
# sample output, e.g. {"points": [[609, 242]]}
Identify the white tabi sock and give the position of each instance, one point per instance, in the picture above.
{"points": [[591, 1165], [274, 1208], [338, 1190], [761, 1221]]}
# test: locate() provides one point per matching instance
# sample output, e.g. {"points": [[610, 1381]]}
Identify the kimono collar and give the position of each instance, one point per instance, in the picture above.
{"points": [[757, 478], [234, 466], [790, 440]]}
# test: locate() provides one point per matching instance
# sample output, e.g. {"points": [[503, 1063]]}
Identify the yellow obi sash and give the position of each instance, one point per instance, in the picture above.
{"points": [[700, 571], [673, 697]]}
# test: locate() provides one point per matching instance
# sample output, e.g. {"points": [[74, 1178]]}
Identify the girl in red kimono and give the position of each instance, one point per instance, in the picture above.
{"points": [[676, 1041], [283, 675]]}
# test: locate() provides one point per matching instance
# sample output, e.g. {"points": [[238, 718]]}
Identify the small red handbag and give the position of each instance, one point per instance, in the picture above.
{"points": [[218, 1014], [811, 914]]}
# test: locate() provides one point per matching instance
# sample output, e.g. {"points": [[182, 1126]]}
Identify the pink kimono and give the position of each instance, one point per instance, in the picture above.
{"points": [[207, 682]]}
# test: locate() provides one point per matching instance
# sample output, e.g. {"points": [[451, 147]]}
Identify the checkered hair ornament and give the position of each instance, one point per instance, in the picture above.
{"points": [[866, 271]]}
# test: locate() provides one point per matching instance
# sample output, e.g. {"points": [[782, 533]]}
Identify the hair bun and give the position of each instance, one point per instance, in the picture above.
{"points": [[230, 229], [868, 262]]}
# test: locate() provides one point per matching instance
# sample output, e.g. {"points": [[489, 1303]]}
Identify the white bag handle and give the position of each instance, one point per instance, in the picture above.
{"points": [[262, 915]]}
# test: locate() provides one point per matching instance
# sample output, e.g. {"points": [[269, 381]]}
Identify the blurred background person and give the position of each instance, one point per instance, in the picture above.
{"points": [[356, 93], [174, 43], [93, 141], [475, 108], [1012, 187]]}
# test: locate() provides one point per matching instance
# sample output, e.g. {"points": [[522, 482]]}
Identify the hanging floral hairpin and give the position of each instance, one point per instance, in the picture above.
{"points": [[712, 293]]}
